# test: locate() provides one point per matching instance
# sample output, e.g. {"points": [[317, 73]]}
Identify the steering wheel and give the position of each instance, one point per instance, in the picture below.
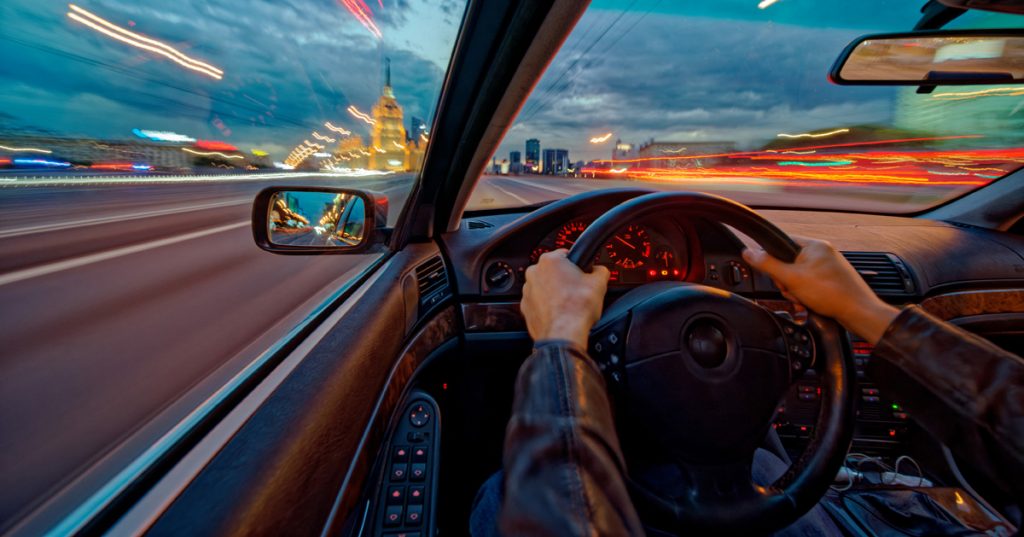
{"points": [[696, 372]]}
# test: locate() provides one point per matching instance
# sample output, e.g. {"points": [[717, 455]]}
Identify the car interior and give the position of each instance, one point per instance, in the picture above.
{"points": [[385, 411]]}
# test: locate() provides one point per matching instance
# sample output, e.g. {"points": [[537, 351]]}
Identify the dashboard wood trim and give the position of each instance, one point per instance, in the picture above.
{"points": [[966, 303]]}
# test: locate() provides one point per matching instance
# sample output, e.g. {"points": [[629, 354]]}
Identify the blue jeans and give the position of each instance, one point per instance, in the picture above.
{"points": [[483, 521]]}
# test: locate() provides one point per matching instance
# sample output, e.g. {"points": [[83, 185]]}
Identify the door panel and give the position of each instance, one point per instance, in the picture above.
{"points": [[283, 470]]}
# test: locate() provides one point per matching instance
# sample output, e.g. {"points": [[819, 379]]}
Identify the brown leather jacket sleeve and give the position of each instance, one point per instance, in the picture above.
{"points": [[963, 389], [564, 471]]}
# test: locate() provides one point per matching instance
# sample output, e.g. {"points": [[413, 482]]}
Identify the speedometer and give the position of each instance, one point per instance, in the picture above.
{"points": [[567, 234], [630, 248]]}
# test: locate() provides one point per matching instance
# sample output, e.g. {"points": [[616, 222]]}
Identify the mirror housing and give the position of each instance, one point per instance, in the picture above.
{"points": [[299, 220], [932, 58]]}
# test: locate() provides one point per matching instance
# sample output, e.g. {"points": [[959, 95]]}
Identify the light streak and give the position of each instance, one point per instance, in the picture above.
{"points": [[765, 4], [42, 161], [214, 145], [770, 152], [338, 130], [1012, 91], [140, 41], [27, 149], [321, 155], [359, 115], [379, 149], [601, 139], [618, 170], [362, 13], [824, 163], [398, 145], [673, 151], [260, 153], [813, 135], [319, 136], [210, 153], [162, 136], [424, 138]]}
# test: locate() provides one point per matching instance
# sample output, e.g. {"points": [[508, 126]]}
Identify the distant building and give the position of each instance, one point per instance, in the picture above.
{"points": [[556, 162], [623, 151], [532, 155], [691, 154], [515, 163], [417, 127], [388, 148], [998, 118]]}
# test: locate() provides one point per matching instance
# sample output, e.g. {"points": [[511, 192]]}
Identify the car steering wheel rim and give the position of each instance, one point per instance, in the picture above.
{"points": [[679, 343]]}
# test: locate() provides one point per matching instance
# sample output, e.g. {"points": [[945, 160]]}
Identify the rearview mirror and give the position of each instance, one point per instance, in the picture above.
{"points": [[319, 220], [932, 58]]}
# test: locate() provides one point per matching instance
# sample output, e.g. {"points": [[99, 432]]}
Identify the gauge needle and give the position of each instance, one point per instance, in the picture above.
{"points": [[620, 239]]}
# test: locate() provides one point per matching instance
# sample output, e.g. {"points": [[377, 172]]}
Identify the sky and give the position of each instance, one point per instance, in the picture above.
{"points": [[720, 70], [671, 70], [289, 66]]}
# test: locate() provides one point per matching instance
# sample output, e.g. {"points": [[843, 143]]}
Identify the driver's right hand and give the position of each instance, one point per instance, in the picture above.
{"points": [[821, 280]]}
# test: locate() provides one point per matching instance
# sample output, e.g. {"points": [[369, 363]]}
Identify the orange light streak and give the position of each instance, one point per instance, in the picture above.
{"points": [[813, 135], [771, 151], [140, 41], [359, 115], [338, 130], [319, 136]]}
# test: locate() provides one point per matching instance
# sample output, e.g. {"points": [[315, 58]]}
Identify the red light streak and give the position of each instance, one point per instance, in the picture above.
{"points": [[775, 151], [213, 145], [362, 13]]}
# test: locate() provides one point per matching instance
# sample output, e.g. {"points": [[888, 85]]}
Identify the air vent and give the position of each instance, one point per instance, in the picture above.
{"points": [[885, 273], [433, 283], [478, 224]]}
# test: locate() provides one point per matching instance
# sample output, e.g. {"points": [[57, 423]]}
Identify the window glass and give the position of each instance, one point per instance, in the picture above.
{"points": [[731, 97], [134, 136]]}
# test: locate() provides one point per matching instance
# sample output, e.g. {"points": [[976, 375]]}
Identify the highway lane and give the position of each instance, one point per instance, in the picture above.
{"points": [[125, 305]]}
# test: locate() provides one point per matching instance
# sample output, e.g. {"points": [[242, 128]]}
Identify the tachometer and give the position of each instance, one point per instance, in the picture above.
{"points": [[630, 248]]}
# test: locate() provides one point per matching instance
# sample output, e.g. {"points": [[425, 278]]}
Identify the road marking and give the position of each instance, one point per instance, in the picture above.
{"points": [[76, 262], [107, 219], [545, 187], [521, 199]]}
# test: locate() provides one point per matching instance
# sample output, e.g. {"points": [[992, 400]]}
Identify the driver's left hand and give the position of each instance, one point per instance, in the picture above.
{"points": [[560, 301]]}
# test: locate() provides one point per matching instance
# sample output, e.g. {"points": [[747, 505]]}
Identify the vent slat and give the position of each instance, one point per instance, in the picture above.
{"points": [[884, 273], [432, 280]]}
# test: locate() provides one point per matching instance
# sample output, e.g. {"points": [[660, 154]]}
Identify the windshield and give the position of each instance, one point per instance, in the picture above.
{"points": [[731, 97], [134, 137]]}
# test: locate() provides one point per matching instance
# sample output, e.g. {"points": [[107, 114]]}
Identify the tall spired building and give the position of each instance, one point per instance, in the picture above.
{"points": [[388, 151]]}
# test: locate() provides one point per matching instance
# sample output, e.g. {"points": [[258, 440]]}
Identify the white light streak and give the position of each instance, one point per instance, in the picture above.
{"points": [[356, 113], [27, 149], [601, 139], [338, 130], [113, 31], [210, 153], [764, 4], [813, 135]]}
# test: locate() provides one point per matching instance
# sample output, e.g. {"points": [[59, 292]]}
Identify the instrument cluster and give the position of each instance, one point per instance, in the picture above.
{"points": [[638, 253]]}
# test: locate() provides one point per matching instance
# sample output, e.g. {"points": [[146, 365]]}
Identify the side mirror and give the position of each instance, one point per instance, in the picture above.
{"points": [[319, 220], [932, 58]]}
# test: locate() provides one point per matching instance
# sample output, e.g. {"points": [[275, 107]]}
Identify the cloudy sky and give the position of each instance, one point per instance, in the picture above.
{"points": [[289, 65], [708, 71], [673, 70]]}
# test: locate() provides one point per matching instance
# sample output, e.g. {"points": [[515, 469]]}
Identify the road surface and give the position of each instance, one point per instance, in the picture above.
{"points": [[126, 305]]}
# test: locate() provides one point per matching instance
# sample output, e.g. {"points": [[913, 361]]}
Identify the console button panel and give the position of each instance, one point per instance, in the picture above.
{"points": [[404, 501]]}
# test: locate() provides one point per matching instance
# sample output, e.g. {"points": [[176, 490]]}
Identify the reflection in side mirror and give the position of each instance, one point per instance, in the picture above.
{"points": [[318, 220], [933, 58]]}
